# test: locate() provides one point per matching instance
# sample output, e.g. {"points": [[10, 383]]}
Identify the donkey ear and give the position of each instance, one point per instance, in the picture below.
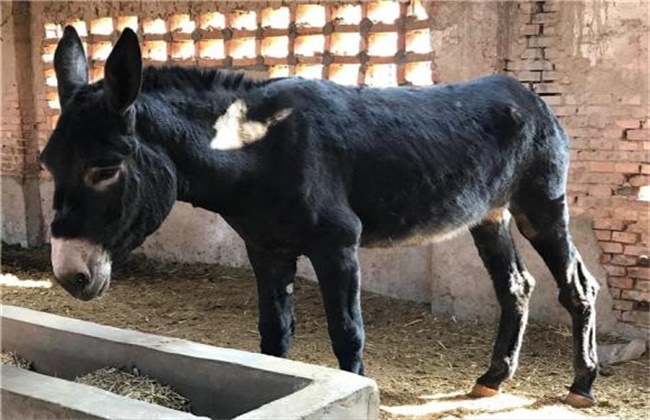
{"points": [[123, 72], [70, 65]]}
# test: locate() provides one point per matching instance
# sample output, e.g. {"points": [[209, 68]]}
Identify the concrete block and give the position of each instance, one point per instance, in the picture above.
{"points": [[219, 382], [617, 353], [28, 394]]}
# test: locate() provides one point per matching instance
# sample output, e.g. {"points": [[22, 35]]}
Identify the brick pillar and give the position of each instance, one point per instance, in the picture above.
{"points": [[28, 121]]}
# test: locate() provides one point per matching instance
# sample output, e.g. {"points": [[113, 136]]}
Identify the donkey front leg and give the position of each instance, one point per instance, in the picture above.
{"points": [[275, 276], [337, 269]]}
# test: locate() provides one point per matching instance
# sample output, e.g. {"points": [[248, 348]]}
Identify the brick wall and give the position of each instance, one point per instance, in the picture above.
{"points": [[13, 139], [590, 63], [371, 43]]}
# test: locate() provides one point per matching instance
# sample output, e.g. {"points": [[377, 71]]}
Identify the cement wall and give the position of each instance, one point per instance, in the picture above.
{"points": [[449, 274], [14, 229]]}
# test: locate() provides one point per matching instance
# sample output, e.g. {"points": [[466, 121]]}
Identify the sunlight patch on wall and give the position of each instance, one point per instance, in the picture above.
{"points": [[381, 75], [155, 50], [345, 74], [241, 19], [154, 26], [182, 50], [242, 48], [101, 26], [212, 49], [309, 45], [310, 71], [276, 18], [345, 43], [310, 16], [182, 23], [127, 22], [213, 20], [275, 46]]}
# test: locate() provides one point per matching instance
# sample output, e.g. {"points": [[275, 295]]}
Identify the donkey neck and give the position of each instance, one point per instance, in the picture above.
{"points": [[176, 117]]}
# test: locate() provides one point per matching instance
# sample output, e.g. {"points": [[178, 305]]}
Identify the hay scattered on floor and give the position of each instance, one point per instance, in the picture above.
{"points": [[409, 352], [135, 386], [11, 358]]}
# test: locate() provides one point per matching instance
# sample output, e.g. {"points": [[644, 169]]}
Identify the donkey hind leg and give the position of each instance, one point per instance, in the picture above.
{"points": [[337, 269], [275, 276], [513, 286], [545, 224]]}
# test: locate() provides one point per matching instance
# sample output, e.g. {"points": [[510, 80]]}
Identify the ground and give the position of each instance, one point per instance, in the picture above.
{"points": [[422, 364]]}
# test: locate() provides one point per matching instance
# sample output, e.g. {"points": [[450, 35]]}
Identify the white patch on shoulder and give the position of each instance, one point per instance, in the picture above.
{"points": [[235, 132]]}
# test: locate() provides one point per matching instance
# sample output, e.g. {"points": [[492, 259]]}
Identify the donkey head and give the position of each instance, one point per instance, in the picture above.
{"points": [[111, 188]]}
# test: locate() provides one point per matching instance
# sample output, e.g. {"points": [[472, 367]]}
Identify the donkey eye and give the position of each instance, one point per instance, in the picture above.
{"points": [[97, 176]]}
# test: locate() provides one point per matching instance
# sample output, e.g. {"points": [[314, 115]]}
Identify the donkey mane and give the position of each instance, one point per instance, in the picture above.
{"points": [[168, 78], [197, 79]]}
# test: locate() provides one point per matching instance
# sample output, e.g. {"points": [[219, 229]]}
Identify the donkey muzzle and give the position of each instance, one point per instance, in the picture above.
{"points": [[81, 267]]}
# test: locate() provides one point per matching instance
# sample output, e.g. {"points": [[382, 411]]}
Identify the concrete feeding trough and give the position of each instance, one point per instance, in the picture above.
{"points": [[220, 383]]}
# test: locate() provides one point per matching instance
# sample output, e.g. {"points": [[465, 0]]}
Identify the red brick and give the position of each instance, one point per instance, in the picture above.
{"points": [[541, 41], [550, 87], [637, 135], [526, 8], [628, 168], [602, 166], [530, 29], [538, 65], [615, 270], [555, 100], [549, 17], [551, 5], [624, 237], [643, 285], [636, 317], [623, 260], [528, 76], [637, 227], [603, 235], [627, 145], [639, 272], [597, 177], [611, 247], [639, 180], [550, 75], [603, 144], [600, 191], [550, 29], [533, 53], [621, 282], [605, 258], [600, 98], [611, 224], [637, 295], [625, 305]]}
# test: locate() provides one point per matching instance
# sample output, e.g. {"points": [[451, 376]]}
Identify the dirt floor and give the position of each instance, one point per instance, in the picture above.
{"points": [[422, 364]]}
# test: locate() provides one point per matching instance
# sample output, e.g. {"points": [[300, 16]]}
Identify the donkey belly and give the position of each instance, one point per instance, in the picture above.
{"points": [[424, 217]]}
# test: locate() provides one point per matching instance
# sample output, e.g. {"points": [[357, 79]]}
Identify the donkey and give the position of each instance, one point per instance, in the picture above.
{"points": [[307, 167]]}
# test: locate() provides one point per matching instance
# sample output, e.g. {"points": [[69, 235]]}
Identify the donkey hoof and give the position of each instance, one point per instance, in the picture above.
{"points": [[481, 391], [579, 401]]}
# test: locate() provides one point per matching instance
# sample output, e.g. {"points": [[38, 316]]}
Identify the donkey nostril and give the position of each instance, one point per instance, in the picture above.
{"points": [[81, 279]]}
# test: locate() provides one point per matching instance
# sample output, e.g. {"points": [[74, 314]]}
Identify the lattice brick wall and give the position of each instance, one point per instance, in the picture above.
{"points": [[380, 43]]}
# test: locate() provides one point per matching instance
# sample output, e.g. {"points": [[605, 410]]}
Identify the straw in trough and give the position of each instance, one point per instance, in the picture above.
{"points": [[136, 386]]}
